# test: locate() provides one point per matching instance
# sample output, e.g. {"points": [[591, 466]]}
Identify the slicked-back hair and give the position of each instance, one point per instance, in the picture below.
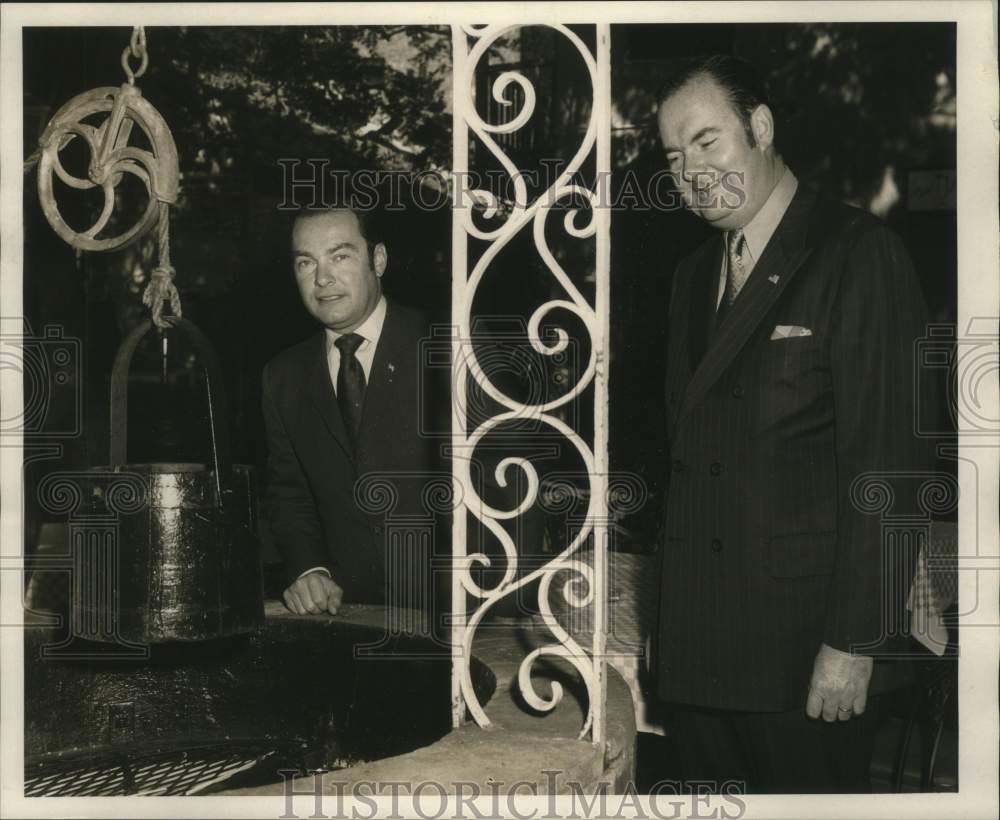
{"points": [[740, 81]]}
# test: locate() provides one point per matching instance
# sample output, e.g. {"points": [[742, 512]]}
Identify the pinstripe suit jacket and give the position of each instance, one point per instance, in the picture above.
{"points": [[765, 555]]}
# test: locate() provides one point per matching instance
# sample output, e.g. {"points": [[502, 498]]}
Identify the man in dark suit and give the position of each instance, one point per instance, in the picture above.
{"points": [[790, 375], [342, 414]]}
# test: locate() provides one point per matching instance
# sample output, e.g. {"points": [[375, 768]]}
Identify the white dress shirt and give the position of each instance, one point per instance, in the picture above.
{"points": [[370, 330], [759, 230]]}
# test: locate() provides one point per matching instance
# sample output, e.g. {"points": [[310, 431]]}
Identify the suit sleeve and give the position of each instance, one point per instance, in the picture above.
{"points": [[879, 316], [288, 501]]}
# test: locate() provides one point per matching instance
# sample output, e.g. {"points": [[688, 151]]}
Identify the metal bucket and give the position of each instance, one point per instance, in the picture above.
{"points": [[184, 562]]}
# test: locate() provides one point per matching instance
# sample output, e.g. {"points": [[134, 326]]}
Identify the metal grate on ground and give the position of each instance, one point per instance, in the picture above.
{"points": [[171, 773]]}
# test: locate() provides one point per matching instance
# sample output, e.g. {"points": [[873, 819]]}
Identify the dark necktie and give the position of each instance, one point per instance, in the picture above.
{"points": [[736, 275], [350, 383]]}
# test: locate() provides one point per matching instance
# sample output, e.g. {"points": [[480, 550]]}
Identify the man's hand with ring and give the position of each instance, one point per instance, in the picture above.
{"points": [[839, 686], [313, 594]]}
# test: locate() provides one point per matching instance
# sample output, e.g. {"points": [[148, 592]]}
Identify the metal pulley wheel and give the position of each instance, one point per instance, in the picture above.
{"points": [[111, 157]]}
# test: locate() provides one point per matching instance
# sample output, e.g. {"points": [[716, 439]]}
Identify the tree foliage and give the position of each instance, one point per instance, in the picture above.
{"points": [[359, 96]]}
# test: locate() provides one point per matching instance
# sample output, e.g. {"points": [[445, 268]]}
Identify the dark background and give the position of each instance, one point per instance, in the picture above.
{"points": [[856, 106]]}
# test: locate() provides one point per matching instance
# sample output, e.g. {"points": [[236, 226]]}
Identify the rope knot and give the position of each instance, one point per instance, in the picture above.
{"points": [[161, 290]]}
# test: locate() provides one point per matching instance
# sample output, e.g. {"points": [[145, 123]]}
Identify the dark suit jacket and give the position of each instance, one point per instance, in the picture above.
{"points": [[333, 508], [766, 556]]}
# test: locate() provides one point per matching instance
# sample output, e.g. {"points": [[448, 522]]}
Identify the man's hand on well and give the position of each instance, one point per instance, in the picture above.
{"points": [[314, 594], [839, 686]]}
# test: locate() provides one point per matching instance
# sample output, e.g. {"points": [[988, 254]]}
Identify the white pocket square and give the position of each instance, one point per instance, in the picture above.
{"points": [[789, 332]]}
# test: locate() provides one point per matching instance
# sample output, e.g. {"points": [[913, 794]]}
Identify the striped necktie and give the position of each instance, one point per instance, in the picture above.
{"points": [[736, 274]]}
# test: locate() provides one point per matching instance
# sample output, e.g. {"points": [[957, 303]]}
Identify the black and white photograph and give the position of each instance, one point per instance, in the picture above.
{"points": [[479, 410]]}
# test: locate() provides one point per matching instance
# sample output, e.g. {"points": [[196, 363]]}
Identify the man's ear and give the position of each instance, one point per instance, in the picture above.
{"points": [[762, 125], [379, 259]]}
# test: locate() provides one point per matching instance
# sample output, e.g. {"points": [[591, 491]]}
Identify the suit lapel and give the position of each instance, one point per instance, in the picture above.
{"points": [[776, 268], [704, 295], [379, 391], [323, 396]]}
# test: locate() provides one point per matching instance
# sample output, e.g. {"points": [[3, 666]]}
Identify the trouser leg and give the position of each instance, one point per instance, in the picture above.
{"points": [[794, 754], [775, 752], [709, 751]]}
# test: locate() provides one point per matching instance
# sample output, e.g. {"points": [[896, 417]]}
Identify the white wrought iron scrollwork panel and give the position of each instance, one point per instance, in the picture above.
{"points": [[470, 45]]}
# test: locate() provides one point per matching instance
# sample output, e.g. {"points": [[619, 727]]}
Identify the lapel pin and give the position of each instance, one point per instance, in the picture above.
{"points": [[773, 278], [392, 367]]}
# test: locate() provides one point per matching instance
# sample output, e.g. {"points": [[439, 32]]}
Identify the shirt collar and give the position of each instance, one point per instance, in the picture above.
{"points": [[761, 228], [370, 329]]}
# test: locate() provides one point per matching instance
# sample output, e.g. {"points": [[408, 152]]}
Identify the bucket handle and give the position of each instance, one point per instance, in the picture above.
{"points": [[221, 457]]}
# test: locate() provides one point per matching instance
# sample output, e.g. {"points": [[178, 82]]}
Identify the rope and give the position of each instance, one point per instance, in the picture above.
{"points": [[161, 288], [32, 160]]}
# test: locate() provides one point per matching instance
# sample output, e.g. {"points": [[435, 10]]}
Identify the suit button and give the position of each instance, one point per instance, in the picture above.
{"points": [[678, 466], [715, 468], [738, 391], [716, 545], [715, 681]]}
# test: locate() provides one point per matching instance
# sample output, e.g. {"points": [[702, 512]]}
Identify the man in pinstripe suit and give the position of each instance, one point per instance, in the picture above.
{"points": [[790, 375]]}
